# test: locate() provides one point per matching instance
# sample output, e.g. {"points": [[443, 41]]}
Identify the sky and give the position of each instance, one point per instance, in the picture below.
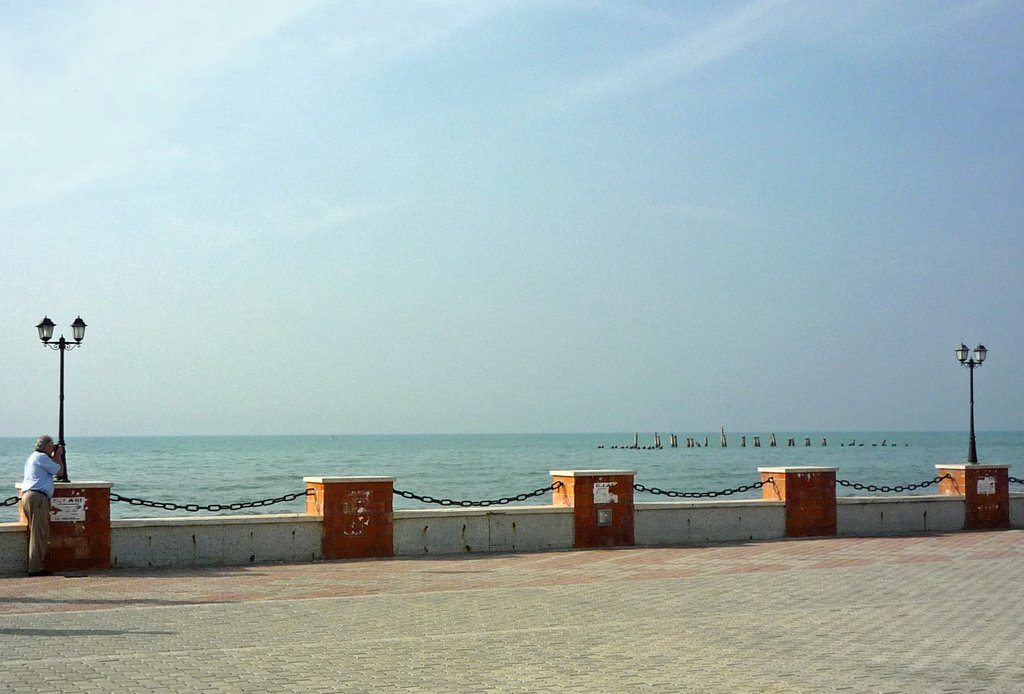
{"points": [[463, 216]]}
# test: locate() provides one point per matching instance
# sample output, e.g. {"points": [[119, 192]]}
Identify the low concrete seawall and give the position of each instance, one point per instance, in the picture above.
{"points": [[352, 517], [245, 539], [13, 549], [459, 531], [909, 515], [190, 541], [214, 541], [701, 522]]}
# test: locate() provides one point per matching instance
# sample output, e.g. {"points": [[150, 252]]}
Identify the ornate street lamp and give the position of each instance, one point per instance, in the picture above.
{"points": [[979, 356], [45, 329]]}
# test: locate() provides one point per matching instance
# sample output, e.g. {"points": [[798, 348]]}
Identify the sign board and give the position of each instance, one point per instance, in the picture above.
{"points": [[987, 485], [67, 508], [603, 494]]}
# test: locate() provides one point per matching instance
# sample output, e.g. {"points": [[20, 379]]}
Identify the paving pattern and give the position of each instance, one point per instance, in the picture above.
{"points": [[937, 613]]}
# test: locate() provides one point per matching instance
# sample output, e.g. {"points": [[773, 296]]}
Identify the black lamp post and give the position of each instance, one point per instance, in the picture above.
{"points": [[979, 356], [45, 329]]}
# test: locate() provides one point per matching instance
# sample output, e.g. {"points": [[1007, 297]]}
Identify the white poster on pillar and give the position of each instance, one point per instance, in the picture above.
{"points": [[67, 509], [603, 493], [987, 485]]}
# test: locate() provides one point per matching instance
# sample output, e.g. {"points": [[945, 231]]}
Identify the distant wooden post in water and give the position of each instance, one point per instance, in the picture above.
{"points": [[692, 442]]}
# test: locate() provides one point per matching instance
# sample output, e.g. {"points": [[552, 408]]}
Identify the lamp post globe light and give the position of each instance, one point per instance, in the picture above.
{"points": [[45, 329], [971, 363]]}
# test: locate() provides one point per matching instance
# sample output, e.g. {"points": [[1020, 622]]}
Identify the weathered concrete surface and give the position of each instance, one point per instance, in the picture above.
{"points": [[214, 540], [931, 613], [1016, 510], [13, 549], [688, 523], [502, 529], [902, 515]]}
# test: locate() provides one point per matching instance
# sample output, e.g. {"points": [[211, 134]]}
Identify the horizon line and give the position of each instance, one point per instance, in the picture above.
{"points": [[736, 432]]}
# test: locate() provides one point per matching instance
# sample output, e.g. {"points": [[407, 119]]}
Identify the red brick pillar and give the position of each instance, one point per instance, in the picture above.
{"points": [[986, 492], [602, 502], [357, 512], [79, 526], [810, 496]]}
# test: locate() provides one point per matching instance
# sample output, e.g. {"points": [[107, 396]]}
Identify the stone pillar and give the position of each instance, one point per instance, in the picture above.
{"points": [[986, 492], [358, 515], [79, 526], [602, 502], [810, 496]]}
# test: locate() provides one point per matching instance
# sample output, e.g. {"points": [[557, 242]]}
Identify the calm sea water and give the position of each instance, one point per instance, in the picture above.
{"points": [[223, 470]]}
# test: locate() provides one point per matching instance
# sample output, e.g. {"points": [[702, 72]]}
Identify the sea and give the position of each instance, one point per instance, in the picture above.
{"points": [[206, 470]]}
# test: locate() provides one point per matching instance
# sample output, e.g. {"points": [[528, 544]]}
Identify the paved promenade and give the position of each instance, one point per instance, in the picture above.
{"points": [[938, 613]]}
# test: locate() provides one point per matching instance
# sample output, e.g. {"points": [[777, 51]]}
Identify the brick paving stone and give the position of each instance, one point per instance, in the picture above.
{"points": [[935, 613]]}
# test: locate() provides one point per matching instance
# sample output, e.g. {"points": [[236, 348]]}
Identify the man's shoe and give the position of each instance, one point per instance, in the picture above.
{"points": [[40, 573]]}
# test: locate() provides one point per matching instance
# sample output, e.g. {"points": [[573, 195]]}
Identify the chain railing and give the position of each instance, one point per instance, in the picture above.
{"points": [[703, 495], [897, 488], [192, 508], [238, 506], [486, 502]]}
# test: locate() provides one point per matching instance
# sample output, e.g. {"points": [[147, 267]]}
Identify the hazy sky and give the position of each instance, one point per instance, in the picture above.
{"points": [[552, 216]]}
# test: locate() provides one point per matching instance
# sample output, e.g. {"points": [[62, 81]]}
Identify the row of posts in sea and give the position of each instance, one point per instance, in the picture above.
{"points": [[723, 442]]}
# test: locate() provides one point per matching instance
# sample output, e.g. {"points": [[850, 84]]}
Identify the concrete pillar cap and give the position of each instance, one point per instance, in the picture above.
{"points": [[330, 480], [77, 485], [969, 466], [590, 473]]}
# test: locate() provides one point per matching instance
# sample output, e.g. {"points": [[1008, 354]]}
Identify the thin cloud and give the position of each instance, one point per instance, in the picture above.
{"points": [[117, 77], [762, 21], [696, 50], [369, 37], [114, 82]]}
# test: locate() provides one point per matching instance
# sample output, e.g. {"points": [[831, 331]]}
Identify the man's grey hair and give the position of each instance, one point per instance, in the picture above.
{"points": [[43, 441]]}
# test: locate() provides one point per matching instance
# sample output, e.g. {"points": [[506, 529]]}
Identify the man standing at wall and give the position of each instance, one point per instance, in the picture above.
{"points": [[36, 492]]}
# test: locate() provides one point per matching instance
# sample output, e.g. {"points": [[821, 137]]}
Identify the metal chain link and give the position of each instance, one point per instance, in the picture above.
{"points": [[192, 508], [703, 495], [485, 502], [898, 488], [1016, 480]]}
